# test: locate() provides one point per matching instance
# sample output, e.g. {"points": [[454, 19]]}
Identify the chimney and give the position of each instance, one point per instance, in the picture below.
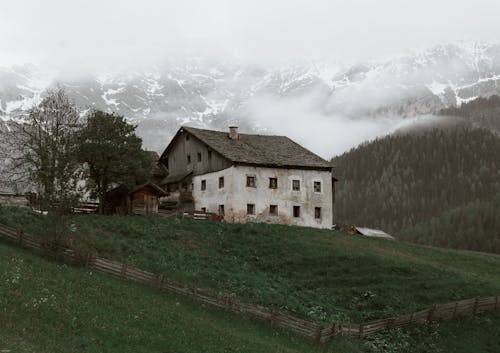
{"points": [[233, 132]]}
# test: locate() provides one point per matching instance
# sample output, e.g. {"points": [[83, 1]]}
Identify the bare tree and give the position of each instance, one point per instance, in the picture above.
{"points": [[44, 147]]}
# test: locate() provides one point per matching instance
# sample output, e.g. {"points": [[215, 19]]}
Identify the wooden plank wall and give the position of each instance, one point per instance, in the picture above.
{"points": [[288, 321]]}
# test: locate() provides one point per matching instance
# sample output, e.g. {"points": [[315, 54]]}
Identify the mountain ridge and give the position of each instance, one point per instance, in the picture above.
{"points": [[211, 94]]}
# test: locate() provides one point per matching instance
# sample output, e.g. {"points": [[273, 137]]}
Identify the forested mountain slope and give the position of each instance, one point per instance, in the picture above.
{"points": [[400, 180], [475, 226], [484, 112]]}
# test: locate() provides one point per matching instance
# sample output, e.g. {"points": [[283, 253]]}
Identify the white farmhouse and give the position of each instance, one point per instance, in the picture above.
{"points": [[244, 177]]}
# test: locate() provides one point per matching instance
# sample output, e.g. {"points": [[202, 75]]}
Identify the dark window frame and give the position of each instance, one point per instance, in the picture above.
{"points": [[188, 159], [296, 211], [273, 183], [222, 211], [317, 184], [221, 182], [273, 210], [203, 186], [296, 185], [250, 209], [317, 213], [199, 157], [251, 181]]}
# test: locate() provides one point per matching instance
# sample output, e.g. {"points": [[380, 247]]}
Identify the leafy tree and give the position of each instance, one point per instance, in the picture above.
{"points": [[112, 153], [44, 154]]}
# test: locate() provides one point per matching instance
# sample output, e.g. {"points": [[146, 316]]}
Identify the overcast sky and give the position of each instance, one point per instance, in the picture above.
{"points": [[100, 33]]}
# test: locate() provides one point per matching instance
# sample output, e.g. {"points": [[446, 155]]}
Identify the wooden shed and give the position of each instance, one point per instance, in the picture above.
{"points": [[142, 199]]}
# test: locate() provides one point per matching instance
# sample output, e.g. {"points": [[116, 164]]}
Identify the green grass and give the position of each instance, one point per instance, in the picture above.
{"points": [[51, 307], [322, 275]]}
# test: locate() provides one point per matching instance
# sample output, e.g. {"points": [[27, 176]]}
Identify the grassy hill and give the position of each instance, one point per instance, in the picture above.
{"points": [[322, 275], [50, 307]]}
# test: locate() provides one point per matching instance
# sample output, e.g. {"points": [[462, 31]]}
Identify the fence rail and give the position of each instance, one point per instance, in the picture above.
{"points": [[285, 320]]}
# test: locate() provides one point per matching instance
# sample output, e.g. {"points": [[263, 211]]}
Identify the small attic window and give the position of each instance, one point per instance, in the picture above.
{"points": [[251, 181], [199, 157], [187, 137]]}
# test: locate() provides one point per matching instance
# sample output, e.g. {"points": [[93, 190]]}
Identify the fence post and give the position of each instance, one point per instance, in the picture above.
{"points": [[318, 334], [474, 310], [88, 260], [124, 270], [159, 280], [431, 313], [20, 236], [455, 310], [335, 331]]}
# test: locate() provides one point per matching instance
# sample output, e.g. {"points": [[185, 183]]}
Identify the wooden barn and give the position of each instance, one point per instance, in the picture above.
{"points": [[142, 199]]}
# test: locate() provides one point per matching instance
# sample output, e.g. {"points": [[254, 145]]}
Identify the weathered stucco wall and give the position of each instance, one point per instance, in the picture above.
{"points": [[235, 195]]}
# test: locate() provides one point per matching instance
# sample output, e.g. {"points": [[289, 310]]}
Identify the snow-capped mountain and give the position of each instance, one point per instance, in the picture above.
{"points": [[215, 94]]}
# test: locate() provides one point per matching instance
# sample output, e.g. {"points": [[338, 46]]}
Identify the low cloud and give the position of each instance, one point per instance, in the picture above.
{"points": [[303, 120]]}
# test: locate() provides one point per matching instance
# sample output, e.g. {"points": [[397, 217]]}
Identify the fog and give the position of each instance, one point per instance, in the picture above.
{"points": [[79, 37], [328, 135], [98, 35]]}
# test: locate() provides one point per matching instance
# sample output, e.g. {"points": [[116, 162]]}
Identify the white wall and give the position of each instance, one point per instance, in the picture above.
{"points": [[236, 195]]}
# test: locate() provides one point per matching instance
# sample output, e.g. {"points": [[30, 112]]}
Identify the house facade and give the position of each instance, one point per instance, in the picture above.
{"points": [[244, 177]]}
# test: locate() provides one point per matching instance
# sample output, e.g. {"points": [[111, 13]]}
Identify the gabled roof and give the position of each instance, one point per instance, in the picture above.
{"points": [[156, 170], [261, 150], [158, 189]]}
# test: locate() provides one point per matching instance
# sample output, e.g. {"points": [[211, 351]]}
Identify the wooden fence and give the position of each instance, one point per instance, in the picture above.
{"points": [[305, 328]]}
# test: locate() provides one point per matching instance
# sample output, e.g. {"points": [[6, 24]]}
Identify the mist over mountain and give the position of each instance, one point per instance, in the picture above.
{"points": [[326, 107]]}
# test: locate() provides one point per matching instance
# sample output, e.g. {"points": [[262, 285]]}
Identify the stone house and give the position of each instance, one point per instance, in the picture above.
{"points": [[246, 177]]}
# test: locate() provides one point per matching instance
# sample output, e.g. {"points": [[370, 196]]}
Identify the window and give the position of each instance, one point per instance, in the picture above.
{"points": [[251, 181], [187, 137], [273, 183], [204, 209], [189, 158], [221, 210], [203, 185], [317, 186], [317, 212], [296, 185], [250, 208], [296, 211], [221, 182], [209, 155], [273, 210], [199, 157]]}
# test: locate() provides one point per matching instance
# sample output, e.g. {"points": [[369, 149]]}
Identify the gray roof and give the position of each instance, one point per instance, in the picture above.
{"points": [[373, 232], [263, 150]]}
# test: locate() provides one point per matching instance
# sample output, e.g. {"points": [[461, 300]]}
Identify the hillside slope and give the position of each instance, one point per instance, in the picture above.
{"points": [[49, 307], [482, 111], [326, 276], [397, 181], [475, 226]]}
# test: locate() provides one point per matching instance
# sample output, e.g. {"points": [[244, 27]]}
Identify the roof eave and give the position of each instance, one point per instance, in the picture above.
{"points": [[283, 166]]}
